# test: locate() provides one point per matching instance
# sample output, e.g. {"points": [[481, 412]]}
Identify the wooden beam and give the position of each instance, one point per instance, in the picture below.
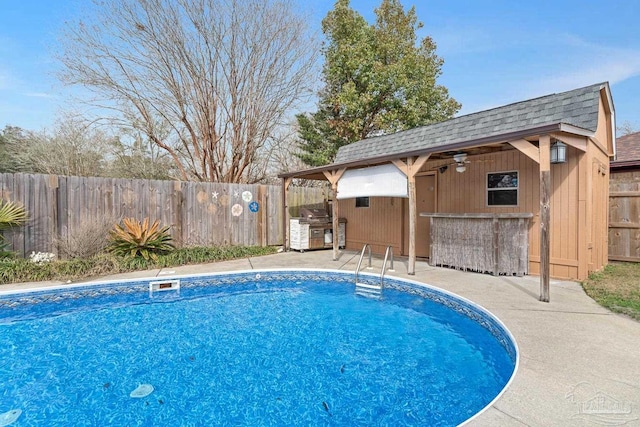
{"points": [[629, 225], [624, 194], [402, 166], [418, 163], [334, 176], [545, 215], [578, 142], [526, 148], [415, 166]]}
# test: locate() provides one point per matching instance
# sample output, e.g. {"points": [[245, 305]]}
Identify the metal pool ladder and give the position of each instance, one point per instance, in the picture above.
{"points": [[373, 290]]}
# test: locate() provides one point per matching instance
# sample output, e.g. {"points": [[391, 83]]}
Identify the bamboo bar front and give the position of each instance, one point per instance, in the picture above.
{"points": [[486, 243]]}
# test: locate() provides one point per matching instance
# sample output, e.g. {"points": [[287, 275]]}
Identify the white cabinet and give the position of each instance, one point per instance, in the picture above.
{"points": [[298, 234]]}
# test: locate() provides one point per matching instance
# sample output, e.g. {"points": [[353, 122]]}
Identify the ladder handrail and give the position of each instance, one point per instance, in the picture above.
{"points": [[366, 245], [384, 264]]}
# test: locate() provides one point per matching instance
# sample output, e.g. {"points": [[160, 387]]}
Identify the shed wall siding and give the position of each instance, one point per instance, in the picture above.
{"points": [[466, 193], [379, 225]]}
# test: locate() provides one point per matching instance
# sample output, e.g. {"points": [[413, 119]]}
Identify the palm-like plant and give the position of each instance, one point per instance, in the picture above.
{"points": [[11, 215], [135, 239]]}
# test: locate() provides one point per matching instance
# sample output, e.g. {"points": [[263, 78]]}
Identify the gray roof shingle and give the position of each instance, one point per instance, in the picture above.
{"points": [[577, 107]]}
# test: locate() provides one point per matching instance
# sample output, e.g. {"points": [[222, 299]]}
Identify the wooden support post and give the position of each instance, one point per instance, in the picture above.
{"points": [[410, 169], [286, 182], [336, 223], [334, 177], [411, 268], [545, 216]]}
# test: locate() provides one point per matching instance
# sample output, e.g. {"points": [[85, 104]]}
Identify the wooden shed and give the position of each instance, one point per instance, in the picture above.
{"points": [[462, 190]]}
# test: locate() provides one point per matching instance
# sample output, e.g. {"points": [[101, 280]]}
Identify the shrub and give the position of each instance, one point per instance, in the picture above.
{"points": [[136, 239], [23, 270], [90, 238]]}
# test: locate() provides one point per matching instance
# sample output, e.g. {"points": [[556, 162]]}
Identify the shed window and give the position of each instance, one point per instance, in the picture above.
{"points": [[362, 202], [502, 188]]}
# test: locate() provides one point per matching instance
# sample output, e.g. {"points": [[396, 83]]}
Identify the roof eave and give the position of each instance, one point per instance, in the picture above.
{"points": [[624, 164], [510, 136]]}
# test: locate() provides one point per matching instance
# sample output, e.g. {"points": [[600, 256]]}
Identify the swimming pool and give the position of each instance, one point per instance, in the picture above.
{"points": [[287, 347]]}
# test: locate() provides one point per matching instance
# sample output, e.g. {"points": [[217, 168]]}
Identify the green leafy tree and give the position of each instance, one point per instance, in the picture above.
{"points": [[378, 79]]}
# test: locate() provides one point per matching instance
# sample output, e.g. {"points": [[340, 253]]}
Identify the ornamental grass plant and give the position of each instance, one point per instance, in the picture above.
{"points": [[139, 239]]}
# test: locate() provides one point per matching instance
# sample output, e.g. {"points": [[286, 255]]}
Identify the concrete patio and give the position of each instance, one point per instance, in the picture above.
{"points": [[579, 363]]}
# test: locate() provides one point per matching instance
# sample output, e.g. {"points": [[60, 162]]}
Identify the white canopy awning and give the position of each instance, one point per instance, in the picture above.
{"points": [[376, 181]]}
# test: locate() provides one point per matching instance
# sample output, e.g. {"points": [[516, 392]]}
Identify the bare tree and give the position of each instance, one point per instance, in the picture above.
{"points": [[626, 128], [222, 75], [71, 148]]}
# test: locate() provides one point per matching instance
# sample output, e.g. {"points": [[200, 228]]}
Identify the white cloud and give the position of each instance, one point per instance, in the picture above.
{"points": [[38, 95], [587, 63]]}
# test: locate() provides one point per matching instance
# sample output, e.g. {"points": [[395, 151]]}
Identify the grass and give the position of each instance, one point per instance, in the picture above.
{"points": [[23, 270], [617, 288]]}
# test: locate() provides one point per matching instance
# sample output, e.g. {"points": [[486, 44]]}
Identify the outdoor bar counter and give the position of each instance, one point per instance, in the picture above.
{"points": [[487, 243]]}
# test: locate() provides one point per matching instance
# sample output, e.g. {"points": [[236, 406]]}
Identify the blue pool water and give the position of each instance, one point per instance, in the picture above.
{"points": [[288, 348]]}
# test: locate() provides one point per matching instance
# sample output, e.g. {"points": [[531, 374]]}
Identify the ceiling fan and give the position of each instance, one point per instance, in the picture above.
{"points": [[460, 161]]}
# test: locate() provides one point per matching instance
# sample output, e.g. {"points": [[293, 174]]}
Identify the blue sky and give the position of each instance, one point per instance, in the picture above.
{"points": [[496, 52]]}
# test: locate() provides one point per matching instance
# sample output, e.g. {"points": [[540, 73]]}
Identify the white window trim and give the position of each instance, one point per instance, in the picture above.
{"points": [[517, 188]]}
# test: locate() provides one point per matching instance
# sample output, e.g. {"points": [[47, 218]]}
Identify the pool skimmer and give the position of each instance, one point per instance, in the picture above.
{"points": [[163, 286]]}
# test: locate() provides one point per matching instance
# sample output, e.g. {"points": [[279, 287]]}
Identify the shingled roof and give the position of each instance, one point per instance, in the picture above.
{"points": [[628, 147], [577, 108]]}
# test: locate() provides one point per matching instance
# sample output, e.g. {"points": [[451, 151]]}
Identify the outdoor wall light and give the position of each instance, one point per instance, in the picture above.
{"points": [[443, 169], [558, 152], [461, 168]]}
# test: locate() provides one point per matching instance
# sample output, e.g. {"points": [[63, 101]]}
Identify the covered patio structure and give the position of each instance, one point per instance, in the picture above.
{"points": [[544, 161]]}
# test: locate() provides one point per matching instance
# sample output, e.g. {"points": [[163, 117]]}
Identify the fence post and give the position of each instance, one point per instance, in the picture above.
{"points": [[176, 208], [263, 238]]}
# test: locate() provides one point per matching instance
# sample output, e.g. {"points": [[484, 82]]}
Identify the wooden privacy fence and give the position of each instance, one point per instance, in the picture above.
{"points": [[199, 213], [624, 216]]}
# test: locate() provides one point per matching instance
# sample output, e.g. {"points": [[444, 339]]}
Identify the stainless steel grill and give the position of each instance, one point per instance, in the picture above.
{"points": [[319, 225], [314, 230]]}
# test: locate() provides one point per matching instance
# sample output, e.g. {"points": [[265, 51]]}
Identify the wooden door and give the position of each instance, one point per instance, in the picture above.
{"points": [[425, 202]]}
